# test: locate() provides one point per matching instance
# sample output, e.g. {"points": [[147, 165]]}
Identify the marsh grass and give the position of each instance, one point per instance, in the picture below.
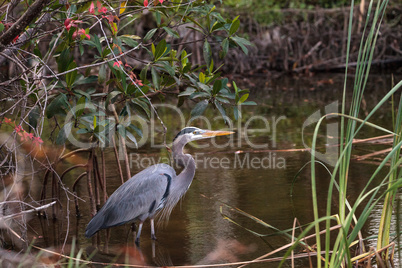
{"points": [[339, 253]]}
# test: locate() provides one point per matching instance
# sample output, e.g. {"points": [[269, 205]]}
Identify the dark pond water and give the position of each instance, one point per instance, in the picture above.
{"points": [[245, 174]]}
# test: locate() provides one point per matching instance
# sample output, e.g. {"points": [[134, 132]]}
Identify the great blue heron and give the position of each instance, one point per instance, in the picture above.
{"points": [[156, 189]]}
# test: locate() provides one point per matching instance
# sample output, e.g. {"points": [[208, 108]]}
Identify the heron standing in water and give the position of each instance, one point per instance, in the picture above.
{"points": [[156, 189]]}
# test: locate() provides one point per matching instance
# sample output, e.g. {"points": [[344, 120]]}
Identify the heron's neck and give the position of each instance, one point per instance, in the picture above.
{"points": [[187, 162], [180, 183]]}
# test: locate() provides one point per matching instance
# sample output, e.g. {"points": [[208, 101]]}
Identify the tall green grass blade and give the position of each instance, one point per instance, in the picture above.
{"points": [[314, 193], [72, 251], [342, 133], [386, 215], [363, 68], [344, 154]]}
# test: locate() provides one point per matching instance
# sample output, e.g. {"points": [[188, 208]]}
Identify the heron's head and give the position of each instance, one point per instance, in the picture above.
{"points": [[188, 134]]}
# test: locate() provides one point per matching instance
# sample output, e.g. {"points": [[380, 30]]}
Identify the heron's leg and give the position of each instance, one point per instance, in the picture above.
{"points": [[137, 239], [133, 229], [153, 230], [153, 249]]}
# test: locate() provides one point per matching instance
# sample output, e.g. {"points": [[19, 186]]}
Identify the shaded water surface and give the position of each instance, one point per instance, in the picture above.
{"points": [[257, 180]]}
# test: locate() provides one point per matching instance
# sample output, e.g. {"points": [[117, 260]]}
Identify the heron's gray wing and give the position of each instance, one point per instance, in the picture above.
{"points": [[136, 199]]}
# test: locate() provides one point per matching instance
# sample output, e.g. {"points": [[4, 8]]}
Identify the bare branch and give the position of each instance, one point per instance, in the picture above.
{"points": [[28, 211], [19, 26]]}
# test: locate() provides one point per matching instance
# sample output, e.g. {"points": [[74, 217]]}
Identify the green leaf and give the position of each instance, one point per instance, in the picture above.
{"points": [[112, 96], [187, 92], [130, 19], [195, 22], [187, 68], [243, 98], [102, 74], [155, 78], [153, 49], [81, 48], [150, 34], [57, 106], [218, 15], [132, 138], [122, 79], [234, 26], [171, 32], [244, 48], [205, 87], [249, 103], [207, 54], [143, 106], [158, 18], [217, 26], [101, 138], [199, 95], [82, 131], [201, 77], [129, 40], [184, 58], [243, 91], [211, 66], [94, 122], [99, 129], [160, 49], [1, 27], [136, 129], [222, 99], [129, 36], [64, 133], [168, 68], [222, 111], [92, 44], [199, 108], [235, 87], [85, 80], [33, 117], [125, 112], [217, 87], [70, 77], [196, 29], [180, 101], [226, 94], [241, 42], [121, 130], [106, 52], [80, 106], [225, 82], [64, 60], [236, 113], [225, 46], [36, 49]]}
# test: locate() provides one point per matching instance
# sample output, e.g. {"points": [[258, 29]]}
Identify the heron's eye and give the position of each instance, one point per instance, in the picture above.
{"points": [[196, 132]]}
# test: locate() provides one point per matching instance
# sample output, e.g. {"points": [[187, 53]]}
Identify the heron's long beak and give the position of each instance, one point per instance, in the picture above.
{"points": [[210, 133]]}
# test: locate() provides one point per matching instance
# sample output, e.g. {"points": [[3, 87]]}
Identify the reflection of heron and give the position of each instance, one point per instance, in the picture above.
{"points": [[155, 189]]}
